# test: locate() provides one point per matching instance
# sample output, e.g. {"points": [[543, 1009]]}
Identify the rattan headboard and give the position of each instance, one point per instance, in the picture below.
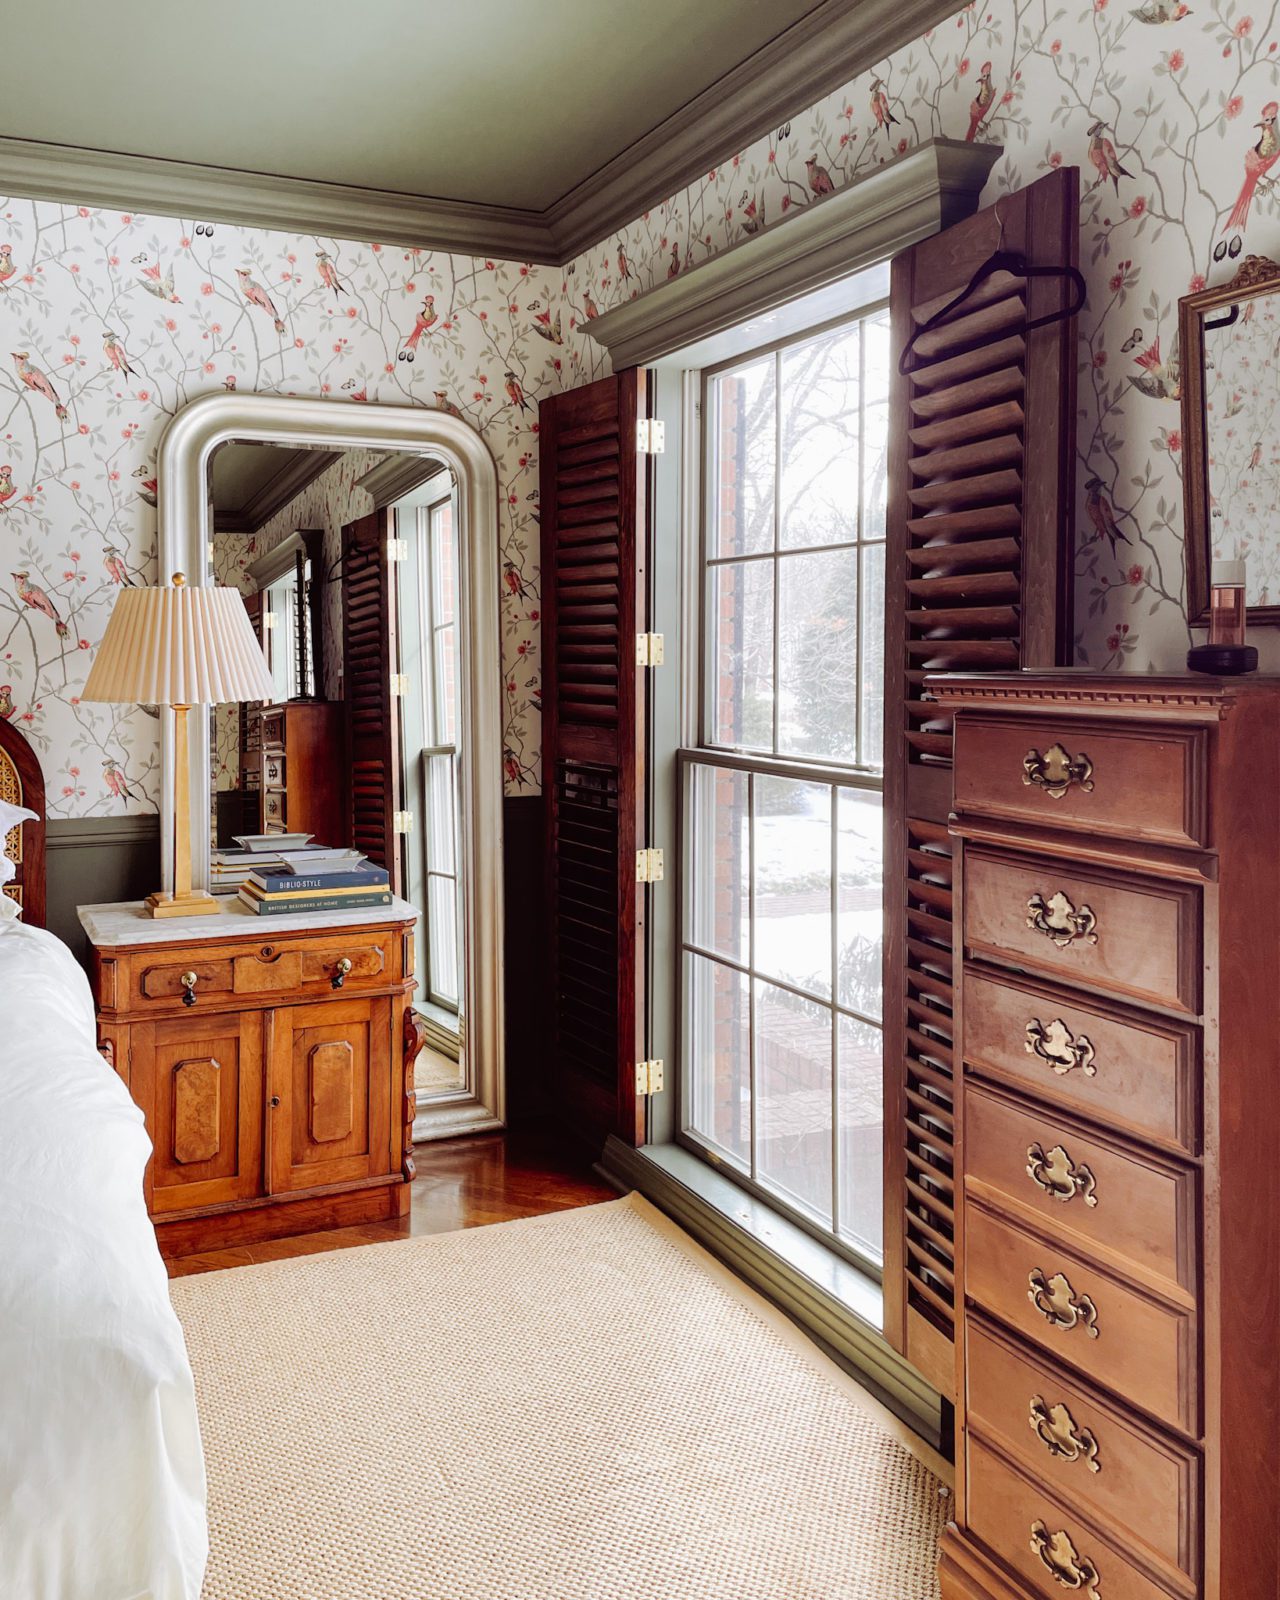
{"points": [[22, 783]]}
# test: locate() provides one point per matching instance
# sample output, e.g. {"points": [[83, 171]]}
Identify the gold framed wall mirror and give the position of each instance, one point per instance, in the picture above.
{"points": [[1229, 339], [406, 477]]}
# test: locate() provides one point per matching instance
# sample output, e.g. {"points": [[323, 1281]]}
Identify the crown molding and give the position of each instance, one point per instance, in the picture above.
{"points": [[396, 477], [825, 48], [301, 468], [874, 217], [158, 187]]}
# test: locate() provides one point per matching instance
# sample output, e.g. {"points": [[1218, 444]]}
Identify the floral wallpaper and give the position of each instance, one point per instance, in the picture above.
{"points": [[114, 321], [1169, 110], [111, 322], [1242, 408]]}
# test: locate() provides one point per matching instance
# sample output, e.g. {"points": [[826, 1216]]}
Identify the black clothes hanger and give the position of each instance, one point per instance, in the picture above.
{"points": [[1224, 321], [1017, 266]]}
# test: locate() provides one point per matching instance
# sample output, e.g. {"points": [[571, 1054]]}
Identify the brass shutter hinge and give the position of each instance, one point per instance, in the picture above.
{"points": [[650, 1077], [651, 436], [397, 550], [402, 822], [649, 866], [399, 685], [651, 649]]}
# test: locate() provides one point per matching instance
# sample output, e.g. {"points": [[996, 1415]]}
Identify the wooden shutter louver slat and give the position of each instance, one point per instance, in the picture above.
{"points": [[978, 562]]}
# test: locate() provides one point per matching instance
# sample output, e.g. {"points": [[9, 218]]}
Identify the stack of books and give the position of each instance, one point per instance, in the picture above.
{"points": [[278, 889]]}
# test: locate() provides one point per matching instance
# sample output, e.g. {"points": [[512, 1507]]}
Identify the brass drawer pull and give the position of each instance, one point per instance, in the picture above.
{"points": [[1058, 1175], [1056, 1429], [1060, 1048], [1058, 1555], [1055, 771], [340, 971], [1059, 920], [1059, 1304], [188, 981]]}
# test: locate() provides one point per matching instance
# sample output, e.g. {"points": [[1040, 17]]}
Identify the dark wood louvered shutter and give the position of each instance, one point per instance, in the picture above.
{"points": [[981, 481], [369, 658], [594, 602]]}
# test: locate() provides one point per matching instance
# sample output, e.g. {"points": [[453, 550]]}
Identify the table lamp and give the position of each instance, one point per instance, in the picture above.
{"points": [[179, 646]]}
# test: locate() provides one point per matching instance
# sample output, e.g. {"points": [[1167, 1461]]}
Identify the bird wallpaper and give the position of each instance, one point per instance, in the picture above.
{"points": [[1169, 110], [112, 322]]}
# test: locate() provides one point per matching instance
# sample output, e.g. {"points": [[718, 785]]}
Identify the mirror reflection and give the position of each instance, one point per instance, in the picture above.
{"points": [[348, 564], [1242, 441]]}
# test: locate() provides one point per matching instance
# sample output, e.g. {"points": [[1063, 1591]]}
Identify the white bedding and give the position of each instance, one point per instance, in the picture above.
{"points": [[102, 1488]]}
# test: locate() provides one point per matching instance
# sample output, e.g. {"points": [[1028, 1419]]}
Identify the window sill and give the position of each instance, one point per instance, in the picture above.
{"points": [[840, 1307]]}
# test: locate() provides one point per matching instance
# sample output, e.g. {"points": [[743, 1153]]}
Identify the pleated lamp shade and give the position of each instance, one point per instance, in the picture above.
{"points": [[178, 646]]}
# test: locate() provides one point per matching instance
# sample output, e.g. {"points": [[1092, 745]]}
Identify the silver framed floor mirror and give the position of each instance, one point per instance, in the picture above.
{"points": [[186, 528]]}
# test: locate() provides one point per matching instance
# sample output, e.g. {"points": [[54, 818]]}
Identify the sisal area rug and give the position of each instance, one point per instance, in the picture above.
{"points": [[581, 1406]]}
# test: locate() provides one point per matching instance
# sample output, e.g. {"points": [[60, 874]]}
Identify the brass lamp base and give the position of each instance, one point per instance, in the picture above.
{"points": [[195, 903]]}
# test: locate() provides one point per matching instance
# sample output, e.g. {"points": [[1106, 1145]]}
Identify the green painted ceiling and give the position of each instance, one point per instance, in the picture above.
{"points": [[509, 102]]}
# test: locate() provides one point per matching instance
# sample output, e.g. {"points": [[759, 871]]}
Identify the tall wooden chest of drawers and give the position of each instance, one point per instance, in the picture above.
{"points": [[1118, 1135]]}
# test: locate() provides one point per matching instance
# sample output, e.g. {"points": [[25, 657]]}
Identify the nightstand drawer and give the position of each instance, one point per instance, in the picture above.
{"points": [[1132, 936], [295, 964], [1095, 776], [1052, 1549], [1135, 1071], [1140, 1345], [1140, 1482], [1076, 1184]]}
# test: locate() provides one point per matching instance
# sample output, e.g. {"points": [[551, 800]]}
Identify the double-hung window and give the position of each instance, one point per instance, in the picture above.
{"points": [[781, 795]]}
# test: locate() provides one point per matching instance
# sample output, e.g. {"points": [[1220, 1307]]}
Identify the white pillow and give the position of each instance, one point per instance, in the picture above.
{"points": [[7, 871], [11, 816], [10, 911]]}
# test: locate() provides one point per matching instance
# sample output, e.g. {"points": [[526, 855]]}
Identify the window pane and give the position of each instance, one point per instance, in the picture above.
{"points": [[442, 906], [793, 1110], [793, 882], [872, 643], [818, 655], [442, 551], [875, 425], [861, 1136], [860, 919], [820, 388], [744, 450], [441, 840], [741, 600], [719, 861], [718, 1056]]}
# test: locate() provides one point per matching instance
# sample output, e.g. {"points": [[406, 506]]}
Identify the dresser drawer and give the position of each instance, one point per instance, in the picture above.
{"points": [[273, 810], [1132, 936], [273, 771], [297, 966], [1051, 1548], [1137, 1481], [272, 725], [1140, 1208], [1139, 1345], [1086, 775], [1137, 1072]]}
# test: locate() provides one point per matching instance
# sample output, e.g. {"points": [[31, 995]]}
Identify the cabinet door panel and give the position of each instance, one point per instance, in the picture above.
{"points": [[330, 1074], [199, 1082]]}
